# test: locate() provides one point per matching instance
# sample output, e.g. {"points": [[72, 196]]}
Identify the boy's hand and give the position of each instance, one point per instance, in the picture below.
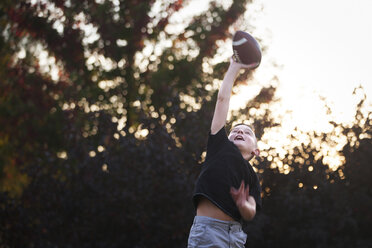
{"points": [[245, 203], [233, 63]]}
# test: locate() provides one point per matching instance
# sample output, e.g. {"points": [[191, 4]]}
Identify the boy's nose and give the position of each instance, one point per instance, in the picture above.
{"points": [[240, 131]]}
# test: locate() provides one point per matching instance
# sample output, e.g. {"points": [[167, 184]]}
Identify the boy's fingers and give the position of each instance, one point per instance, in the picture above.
{"points": [[233, 190], [253, 65], [234, 194], [241, 189], [247, 192], [250, 66]]}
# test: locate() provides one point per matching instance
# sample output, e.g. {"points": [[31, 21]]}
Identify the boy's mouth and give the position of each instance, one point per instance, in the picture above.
{"points": [[239, 137]]}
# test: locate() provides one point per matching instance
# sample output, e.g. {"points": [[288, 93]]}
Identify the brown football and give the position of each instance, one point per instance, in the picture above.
{"points": [[246, 48]]}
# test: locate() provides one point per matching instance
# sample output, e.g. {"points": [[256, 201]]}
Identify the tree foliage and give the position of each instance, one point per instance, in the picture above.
{"points": [[313, 205]]}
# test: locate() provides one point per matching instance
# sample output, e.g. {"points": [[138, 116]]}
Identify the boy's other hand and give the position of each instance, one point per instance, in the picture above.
{"points": [[245, 203]]}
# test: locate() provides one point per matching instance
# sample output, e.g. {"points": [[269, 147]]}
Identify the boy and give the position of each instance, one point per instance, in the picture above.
{"points": [[227, 191]]}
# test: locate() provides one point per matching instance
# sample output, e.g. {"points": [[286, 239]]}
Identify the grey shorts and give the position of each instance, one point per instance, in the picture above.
{"points": [[210, 232]]}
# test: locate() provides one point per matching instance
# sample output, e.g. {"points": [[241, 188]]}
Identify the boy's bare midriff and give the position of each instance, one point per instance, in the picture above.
{"points": [[207, 208]]}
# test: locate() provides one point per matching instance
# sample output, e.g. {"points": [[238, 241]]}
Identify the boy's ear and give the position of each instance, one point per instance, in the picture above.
{"points": [[256, 152]]}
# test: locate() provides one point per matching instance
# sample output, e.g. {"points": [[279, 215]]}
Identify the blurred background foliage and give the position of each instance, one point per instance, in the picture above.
{"points": [[105, 108]]}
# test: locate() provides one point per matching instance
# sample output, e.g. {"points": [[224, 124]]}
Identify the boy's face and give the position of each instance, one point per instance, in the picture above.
{"points": [[244, 138]]}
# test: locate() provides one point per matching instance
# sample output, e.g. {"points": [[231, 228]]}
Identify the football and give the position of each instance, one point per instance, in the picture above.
{"points": [[246, 49]]}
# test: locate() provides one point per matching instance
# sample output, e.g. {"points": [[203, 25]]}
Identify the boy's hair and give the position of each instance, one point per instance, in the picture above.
{"points": [[242, 123]]}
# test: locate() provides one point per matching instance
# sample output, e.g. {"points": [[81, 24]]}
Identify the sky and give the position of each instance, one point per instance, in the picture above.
{"points": [[323, 48], [323, 51]]}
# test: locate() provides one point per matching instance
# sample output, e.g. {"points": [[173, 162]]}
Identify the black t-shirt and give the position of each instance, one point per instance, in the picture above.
{"points": [[225, 167]]}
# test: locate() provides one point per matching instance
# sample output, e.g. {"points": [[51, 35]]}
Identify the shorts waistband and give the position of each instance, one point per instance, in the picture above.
{"points": [[228, 225]]}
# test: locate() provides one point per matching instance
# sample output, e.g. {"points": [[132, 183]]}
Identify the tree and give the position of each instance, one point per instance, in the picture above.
{"points": [[102, 110], [312, 205]]}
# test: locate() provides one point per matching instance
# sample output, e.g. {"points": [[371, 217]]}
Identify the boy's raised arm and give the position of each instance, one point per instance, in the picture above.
{"points": [[223, 99]]}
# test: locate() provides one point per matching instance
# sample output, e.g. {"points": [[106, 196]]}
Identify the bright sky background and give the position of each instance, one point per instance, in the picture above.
{"points": [[323, 48]]}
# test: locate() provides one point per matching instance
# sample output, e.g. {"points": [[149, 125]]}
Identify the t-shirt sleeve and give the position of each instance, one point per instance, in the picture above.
{"points": [[216, 142]]}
